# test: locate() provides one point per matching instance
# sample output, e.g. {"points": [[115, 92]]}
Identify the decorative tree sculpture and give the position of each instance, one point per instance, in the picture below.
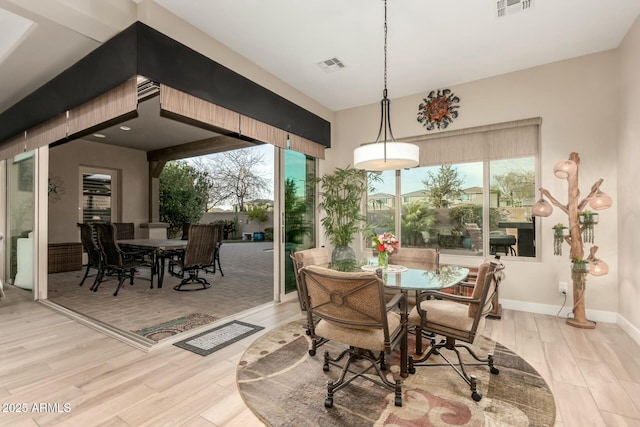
{"points": [[575, 210]]}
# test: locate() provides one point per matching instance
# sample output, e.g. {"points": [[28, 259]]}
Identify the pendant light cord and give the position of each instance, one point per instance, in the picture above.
{"points": [[385, 116]]}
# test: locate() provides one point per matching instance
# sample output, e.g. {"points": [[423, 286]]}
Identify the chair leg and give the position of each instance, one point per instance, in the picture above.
{"points": [[354, 355], [193, 278], [86, 274], [98, 280], [450, 344], [121, 279]]}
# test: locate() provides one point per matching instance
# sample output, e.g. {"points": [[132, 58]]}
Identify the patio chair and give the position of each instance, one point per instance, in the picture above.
{"points": [[199, 255], [93, 253], [300, 259], [125, 230], [113, 258], [352, 311], [457, 318]]}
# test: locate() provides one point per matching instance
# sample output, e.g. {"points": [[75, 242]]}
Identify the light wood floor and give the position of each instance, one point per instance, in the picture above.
{"points": [[46, 358]]}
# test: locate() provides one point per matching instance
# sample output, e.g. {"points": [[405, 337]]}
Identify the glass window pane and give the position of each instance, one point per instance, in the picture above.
{"points": [[381, 204], [442, 207], [512, 231]]}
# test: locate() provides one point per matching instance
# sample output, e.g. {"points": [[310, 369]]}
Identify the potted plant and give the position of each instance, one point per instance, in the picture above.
{"points": [[258, 213], [342, 192]]}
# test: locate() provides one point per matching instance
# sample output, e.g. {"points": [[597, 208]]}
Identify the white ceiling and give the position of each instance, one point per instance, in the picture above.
{"points": [[432, 43]]}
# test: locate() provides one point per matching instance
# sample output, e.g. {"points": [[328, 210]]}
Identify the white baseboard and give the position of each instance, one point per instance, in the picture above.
{"points": [[631, 330], [595, 315]]}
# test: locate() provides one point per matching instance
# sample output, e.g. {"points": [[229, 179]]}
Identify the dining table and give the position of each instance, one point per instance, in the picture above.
{"points": [[156, 248], [417, 278]]}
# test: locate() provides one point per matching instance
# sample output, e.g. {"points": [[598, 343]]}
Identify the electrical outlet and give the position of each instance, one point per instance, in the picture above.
{"points": [[562, 288]]}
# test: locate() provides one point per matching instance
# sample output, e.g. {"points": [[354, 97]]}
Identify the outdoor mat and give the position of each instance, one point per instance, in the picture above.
{"points": [[284, 386], [218, 337], [175, 326]]}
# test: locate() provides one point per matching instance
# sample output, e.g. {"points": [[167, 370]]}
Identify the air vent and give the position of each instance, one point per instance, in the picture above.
{"points": [[331, 65], [508, 7], [147, 88]]}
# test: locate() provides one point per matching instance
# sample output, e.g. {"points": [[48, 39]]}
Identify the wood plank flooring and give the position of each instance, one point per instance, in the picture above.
{"points": [[49, 359]]}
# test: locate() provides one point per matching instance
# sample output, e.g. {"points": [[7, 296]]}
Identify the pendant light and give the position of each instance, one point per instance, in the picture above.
{"points": [[385, 153]]}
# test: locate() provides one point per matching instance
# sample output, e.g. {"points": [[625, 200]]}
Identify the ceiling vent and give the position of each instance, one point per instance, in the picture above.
{"points": [[147, 88], [508, 7], [331, 65]]}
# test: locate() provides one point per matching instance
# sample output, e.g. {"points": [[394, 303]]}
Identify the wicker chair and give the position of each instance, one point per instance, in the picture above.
{"points": [[457, 318], [113, 258], [125, 230], [93, 253], [199, 254], [352, 311], [300, 259]]}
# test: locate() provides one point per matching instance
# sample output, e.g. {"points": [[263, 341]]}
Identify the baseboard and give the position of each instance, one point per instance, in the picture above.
{"points": [[595, 315], [631, 330]]}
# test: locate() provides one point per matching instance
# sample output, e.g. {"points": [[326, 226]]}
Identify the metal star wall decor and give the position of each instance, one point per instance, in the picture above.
{"points": [[438, 109]]}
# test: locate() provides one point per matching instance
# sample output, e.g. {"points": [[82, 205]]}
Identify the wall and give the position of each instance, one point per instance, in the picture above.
{"points": [[65, 161], [628, 99], [576, 100]]}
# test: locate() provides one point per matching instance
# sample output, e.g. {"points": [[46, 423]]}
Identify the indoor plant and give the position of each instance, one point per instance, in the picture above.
{"points": [[341, 192]]}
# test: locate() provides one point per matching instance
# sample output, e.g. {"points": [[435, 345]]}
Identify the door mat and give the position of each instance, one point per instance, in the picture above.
{"points": [[175, 326], [218, 337]]}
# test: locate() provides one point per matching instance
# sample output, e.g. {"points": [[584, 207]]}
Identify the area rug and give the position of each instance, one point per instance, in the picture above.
{"points": [[175, 326], [218, 337], [284, 386]]}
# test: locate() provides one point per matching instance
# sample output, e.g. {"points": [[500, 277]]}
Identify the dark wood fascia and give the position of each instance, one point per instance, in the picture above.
{"points": [[142, 50]]}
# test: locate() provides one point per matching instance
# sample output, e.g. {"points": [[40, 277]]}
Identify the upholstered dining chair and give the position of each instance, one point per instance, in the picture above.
{"points": [[300, 259], [420, 258], [93, 253], [457, 320], [113, 258], [352, 311], [198, 255]]}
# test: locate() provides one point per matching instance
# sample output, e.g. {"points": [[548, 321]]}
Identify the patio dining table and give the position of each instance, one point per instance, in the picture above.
{"points": [[156, 248]]}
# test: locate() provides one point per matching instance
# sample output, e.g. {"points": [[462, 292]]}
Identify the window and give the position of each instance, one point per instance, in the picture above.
{"points": [[99, 195], [472, 194]]}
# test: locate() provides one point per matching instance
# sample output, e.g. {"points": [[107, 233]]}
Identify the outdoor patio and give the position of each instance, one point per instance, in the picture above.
{"points": [[247, 283]]}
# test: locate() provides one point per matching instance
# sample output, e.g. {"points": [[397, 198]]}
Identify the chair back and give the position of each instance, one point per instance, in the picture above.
{"points": [[420, 258], [89, 244], [201, 246], [125, 230], [483, 292], [351, 300], [185, 231], [107, 243], [315, 256]]}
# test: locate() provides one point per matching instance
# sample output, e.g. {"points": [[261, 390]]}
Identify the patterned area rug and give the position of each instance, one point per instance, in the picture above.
{"points": [[175, 326], [219, 337], [284, 386]]}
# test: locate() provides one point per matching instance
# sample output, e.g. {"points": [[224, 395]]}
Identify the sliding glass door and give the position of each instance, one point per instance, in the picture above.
{"points": [[298, 210]]}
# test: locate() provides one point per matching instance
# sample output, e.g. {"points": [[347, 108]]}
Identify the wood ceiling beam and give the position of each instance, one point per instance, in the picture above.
{"points": [[216, 144]]}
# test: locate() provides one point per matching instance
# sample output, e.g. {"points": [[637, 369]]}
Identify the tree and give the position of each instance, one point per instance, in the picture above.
{"points": [[516, 187], [443, 186], [417, 219], [234, 177], [183, 195]]}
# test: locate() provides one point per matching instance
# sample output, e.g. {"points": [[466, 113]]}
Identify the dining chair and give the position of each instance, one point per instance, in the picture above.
{"points": [[457, 320], [352, 311], [94, 259], [125, 230], [113, 258], [419, 258], [198, 255], [300, 259]]}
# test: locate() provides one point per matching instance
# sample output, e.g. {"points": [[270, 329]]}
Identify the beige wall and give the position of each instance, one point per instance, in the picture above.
{"points": [[628, 101], [578, 105], [65, 161]]}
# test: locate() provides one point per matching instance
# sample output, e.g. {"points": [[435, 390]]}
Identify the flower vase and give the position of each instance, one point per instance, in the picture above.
{"points": [[383, 259]]}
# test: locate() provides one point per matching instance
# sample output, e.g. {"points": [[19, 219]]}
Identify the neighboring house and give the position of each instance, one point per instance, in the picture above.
{"points": [[415, 195], [379, 201]]}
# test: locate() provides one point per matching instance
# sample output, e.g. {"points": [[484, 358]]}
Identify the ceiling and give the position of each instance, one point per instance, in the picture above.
{"points": [[431, 44]]}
